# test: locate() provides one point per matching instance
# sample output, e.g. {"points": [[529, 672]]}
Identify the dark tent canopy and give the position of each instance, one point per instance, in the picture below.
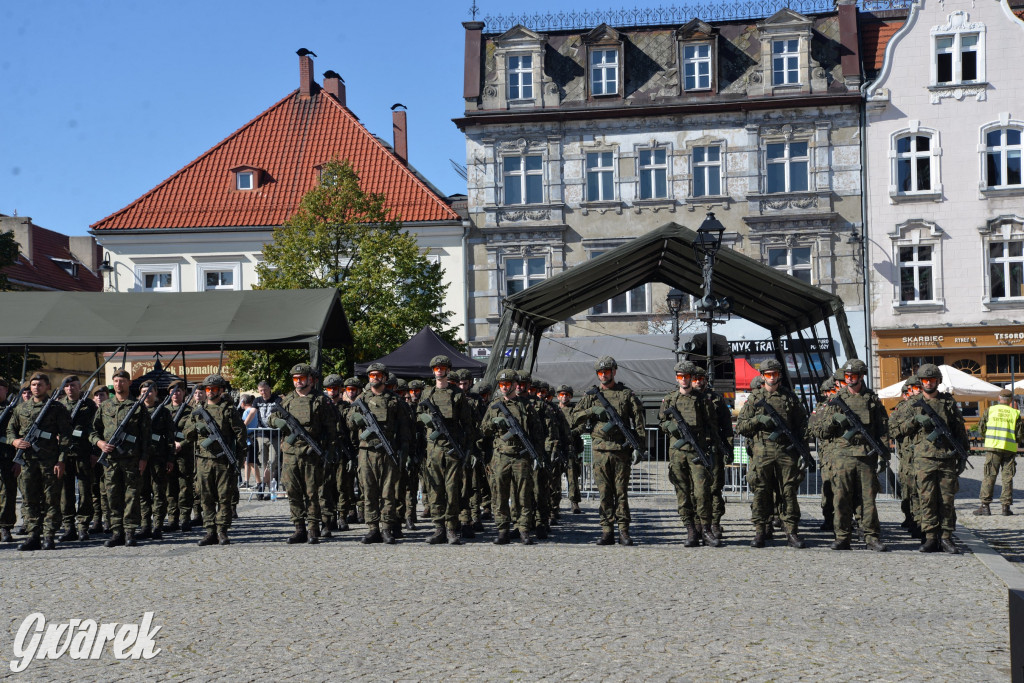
{"points": [[412, 359]]}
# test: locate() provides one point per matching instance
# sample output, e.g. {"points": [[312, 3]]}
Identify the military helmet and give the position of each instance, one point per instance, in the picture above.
{"points": [[838, 376], [542, 385], [605, 363], [441, 360], [401, 384], [215, 380], [523, 376], [913, 381], [855, 366], [564, 389], [333, 380], [827, 386], [416, 385], [771, 365], [481, 388], [929, 371], [699, 371], [459, 375], [508, 375], [685, 367], [301, 369], [354, 382], [757, 382], [377, 367]]}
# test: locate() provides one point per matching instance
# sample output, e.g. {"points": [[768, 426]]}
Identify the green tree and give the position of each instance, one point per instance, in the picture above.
{"points": [[346, 238], [10, 363]]}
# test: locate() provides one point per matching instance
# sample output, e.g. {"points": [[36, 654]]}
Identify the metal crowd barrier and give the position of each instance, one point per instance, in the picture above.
{"points": [[263, 443]]}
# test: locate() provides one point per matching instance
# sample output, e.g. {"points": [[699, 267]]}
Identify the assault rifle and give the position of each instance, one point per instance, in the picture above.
{"points": [[439, 425], [373, 428], [639, 450], [782, 429], [878, 448], [35, 432], [78, 433], [215, 435], [688, 438], [941, 430], [179, 413], [5, 417], [121, 435], [515, 430], [297, 430]]}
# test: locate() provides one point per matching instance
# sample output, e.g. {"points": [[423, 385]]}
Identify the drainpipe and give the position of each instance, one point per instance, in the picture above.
{"points": [[868, 360]]}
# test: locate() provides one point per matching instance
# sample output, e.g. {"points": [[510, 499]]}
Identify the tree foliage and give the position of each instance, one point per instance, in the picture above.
{"points": [[346, 238], [8, 257]]}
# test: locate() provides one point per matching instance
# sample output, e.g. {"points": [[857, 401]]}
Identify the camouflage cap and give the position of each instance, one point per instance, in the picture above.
{"points": [[440, 360], [354, 382], [685, 367], [542, 385], [929, 371], [771, 365], [480, 389], [564, 389], [605, 363], [459, 375], [855, 366], [333, 380], [417, 385], [301, 369]]}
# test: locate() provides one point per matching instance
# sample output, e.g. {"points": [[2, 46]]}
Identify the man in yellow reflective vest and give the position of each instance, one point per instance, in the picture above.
{"points": [[1001, 425]]}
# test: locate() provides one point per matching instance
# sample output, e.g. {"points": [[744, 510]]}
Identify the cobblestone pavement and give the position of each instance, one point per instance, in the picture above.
{"points": [[1005, 535], [563, 609]]}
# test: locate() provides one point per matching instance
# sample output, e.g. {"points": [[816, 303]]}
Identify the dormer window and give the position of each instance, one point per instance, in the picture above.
{"points": [[67, 265], [698, 42], [604, 61], [959, 51], [787, 61], [244, 180]]}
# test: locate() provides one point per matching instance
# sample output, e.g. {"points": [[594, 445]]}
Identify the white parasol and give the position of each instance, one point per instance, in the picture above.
{"points": [[963, 386]]}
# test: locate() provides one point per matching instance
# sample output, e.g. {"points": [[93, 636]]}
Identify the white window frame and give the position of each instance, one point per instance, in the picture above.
{"points": [[144, 269], [956, 50], [604, 74], [790, 267], [607, 305], [652, 170], [786, 161], [704, 168], [934, 153], [520, 176], [602, 172], [697, 61], [234, 268], [917, 233], [1005, 261], [242, 187], [1002, 149], [790, 58], [525, 276], [525, 90], [915, 265]]}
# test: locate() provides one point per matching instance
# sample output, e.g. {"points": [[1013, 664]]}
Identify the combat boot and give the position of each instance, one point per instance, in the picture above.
{"points": [[313, 535], [173, 526], [48, 544], [486, 514], [828, 524], [386, 536], [930, 545], [478, 525], [396, 530], [502, 538], [794, 540], [710, 538], [222, 537], [186, 525], [949, 547], [554, 517], [197, 519], [438, 536], [410, 525], [20, 530], [692, 540], [360, 517], [576, 509], [759, 539], [31, 543], [343, 524], [624, 538], [130, 539], [157, 534], [607, 538], [209, 539], [107, 529], [776, 522], [326, 532], [5, 536], [68, 535], [1007, 512], [542, 531], [83, 533], [717, 530], [96, 526], [875, 545], [467, 530], [843, 544], [983, 510], [352, 517], [453, 537], [332, 524], [115, 540], [143, 533], [373, 535], [524, 535], [300, 534]]}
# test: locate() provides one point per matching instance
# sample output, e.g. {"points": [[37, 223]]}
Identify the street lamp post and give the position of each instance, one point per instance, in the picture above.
{"points": [[675, 304], [709, 241]]}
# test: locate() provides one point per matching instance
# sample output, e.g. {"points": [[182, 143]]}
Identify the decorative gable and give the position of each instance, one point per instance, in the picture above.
{"points": [[787, 66], [516, 78], [602, 34], [695, 29], [785, 20]]}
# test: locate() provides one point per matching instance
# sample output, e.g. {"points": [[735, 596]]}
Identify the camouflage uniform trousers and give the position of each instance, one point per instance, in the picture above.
{"points": [[181, 487], [611, 472], [123, 480], [911, 503], [100, 502], [329, 494], [410, 488], [378, 480], [556, 471], [347, 475], [153, 494], [469, 500], [937, 486], [828, 497], [218, 481], [303, 474], [42, 496], [541, 496], [717, 485], [444, 474], [8, 493], [693, 486], [996, 460], [573, 473], [78, 471], [855, 485], [511, 478], [774, 478]]}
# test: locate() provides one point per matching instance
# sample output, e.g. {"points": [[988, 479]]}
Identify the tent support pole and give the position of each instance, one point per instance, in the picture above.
{"points": [[184, 369], [24, 367], [124, 356], [220, 361]]}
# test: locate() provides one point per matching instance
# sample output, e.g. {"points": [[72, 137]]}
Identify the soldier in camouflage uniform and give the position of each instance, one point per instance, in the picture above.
{"points": [[899, 433], [153, 484], [348, 500], [613, 456], [723, 421], [329, 490], [100, 502], [217, 476], [78, 463], [44, 461], [511, 464], [8, 479], [378, 474], [772, 465], [181, 490], [124, 470], [560, 455], [825, 449], [854, 465], [691, 479], [1004, 433], [482, 393], [936, 465], [417, 456], [472, 480], [542, 476], [445, 469], [574, 449]]}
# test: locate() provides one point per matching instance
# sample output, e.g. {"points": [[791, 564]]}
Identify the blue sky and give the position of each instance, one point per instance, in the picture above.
{"points": [[101, 100]]}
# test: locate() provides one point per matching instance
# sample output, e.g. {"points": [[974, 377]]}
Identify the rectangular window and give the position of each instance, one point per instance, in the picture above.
{"points": [[696, 67], [707, 171], [795, 261], [787, 167], [158, 282], [909, 365], [633, 301], [653, 173], [523, 179], [913, 164], [1004, 363], [1003, 158], [786, 62], [957, 58], [604, 72], [243, 180], [916, 273], [521, 273], [1006, 268], [219, 279], [600, 185], [520, 77]]}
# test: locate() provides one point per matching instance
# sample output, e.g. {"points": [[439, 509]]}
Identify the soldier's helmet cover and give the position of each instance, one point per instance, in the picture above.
{"points": [[827, 386], [301, 369], [929, 371], [523, 376], [377, 367], [913, 381], [771, 365], [215, 380], [605, 363], [333, 380], [757, 382], [685, 367], [401, 384], [855, 366], [507, 375], [565, 389], [699, 371], [442, 360], [416, 385]]}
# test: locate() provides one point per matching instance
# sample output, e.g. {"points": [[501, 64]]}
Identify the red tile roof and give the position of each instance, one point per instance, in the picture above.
{"points": [[42, 272], [287, 142], [874, 38]]}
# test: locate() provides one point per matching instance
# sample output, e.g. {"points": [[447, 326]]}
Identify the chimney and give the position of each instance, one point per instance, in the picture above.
{"points": [[849, 42], [21, 226], [334, 85], [471, 73], [305, 72], [84, 249], [401, 132]]}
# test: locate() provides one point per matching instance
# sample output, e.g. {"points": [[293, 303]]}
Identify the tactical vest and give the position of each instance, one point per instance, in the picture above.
{"points": [[999, 428]]}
